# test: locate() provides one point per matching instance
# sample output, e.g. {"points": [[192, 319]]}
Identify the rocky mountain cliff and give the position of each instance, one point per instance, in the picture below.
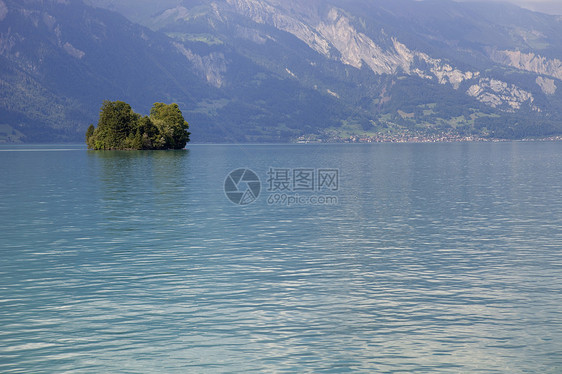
{"points": [[268, 70]]}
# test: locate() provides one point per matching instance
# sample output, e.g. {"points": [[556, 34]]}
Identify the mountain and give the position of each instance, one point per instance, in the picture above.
{"points": [[269, 70], [60, 60]]}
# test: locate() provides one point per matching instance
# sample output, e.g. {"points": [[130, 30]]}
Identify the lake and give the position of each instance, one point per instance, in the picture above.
{"points": [[395, 258]]}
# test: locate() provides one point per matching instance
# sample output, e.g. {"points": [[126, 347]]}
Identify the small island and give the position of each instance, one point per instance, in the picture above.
{"points": [[120, 128]]}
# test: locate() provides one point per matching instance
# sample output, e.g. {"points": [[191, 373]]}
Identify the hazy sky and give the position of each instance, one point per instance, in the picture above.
{"points": [[546, 6]]}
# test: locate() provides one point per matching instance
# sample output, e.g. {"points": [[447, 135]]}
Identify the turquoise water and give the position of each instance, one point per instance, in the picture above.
{"points": [[433, 258]]}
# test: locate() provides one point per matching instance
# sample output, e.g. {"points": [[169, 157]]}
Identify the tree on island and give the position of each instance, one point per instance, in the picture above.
{"points": [[119, 127]]}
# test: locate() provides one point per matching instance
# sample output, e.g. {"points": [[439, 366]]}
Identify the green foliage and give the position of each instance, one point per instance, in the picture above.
{"points": [[117, 121], [119, 127], [90, 136], [171, 125], [518, 127]]}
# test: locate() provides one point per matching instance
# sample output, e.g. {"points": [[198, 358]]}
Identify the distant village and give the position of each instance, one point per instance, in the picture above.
{"points": [[408, 138]]}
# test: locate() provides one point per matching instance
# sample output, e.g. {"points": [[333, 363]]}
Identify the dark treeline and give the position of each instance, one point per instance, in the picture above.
{"points": [[119, 127]]}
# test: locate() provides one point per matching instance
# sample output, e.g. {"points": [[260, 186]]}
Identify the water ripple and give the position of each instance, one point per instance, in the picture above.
{"points": [[437, 259]]}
